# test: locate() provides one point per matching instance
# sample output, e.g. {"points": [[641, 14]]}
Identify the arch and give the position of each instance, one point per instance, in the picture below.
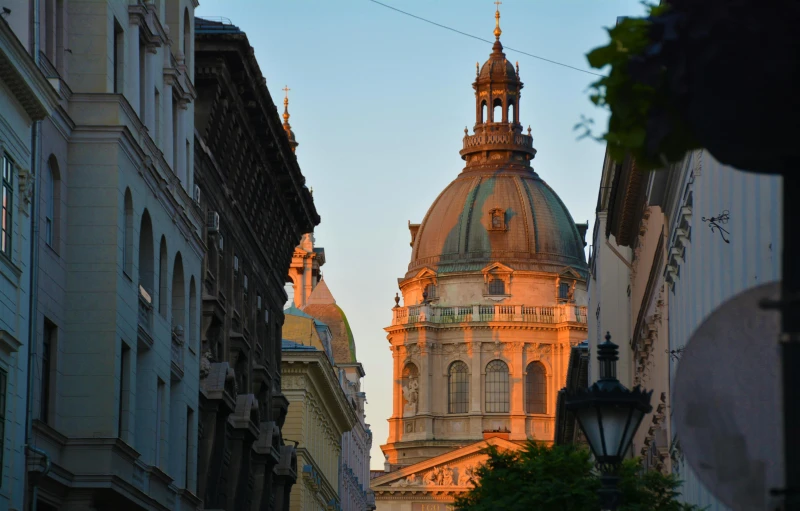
{"points": [[497, 387], [535, 388], [193, 325], [510, 112], [163, 288], [127, 234], [483, 111], [146, 257], [497, 287], [497, 110], [457, 387]]}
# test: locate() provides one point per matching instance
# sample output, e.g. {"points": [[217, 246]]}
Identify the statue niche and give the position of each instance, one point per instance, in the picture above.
{"points": [[410, 383]]}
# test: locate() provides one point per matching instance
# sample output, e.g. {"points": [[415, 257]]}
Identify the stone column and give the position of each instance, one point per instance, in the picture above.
{"points": [[396, 431], [425, 384], [476, 366], [517, 391], [132, 66]]}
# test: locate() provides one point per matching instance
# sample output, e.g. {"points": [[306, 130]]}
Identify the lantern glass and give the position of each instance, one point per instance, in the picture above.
{"points": [[589, 420]]}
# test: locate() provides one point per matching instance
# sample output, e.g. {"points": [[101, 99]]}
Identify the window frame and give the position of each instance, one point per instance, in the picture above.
{"points": [[7, 206], [497, 387], [532, 391], [493, 291], [455, 388]]}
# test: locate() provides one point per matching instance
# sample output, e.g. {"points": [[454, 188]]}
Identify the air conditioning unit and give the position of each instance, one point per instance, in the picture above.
{"points": [[212, 221], [196, 195]]}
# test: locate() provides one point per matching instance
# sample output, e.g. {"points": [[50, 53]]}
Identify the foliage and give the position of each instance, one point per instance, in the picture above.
{"points": [[644, 121], [562, 478]]}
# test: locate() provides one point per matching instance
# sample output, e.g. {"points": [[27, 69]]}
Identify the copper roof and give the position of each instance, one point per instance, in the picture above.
{"points": [[321, 305], [538, 232]]}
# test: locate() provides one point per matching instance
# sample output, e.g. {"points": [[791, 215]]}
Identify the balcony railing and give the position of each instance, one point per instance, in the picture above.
{"points": [[486, 313]]}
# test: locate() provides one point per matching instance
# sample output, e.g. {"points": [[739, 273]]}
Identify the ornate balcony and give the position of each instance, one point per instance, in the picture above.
{"points": [[145, 317], [488, 313]]}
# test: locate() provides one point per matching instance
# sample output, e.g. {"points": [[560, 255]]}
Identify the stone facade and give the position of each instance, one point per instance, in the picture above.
{"points": [[252, 195], [117, 321], [25, 99], [319, 414], [494, 297]]}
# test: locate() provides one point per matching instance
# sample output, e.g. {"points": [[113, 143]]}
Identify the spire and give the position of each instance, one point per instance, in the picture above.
{"points": [[286, 126], [497, 31]]}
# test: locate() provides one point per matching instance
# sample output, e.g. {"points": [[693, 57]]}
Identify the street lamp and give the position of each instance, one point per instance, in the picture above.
{"points": [[609, 415]]}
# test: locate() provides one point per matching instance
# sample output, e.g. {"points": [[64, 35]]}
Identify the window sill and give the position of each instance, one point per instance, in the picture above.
{"points": [[13, 268], [125, 273]]}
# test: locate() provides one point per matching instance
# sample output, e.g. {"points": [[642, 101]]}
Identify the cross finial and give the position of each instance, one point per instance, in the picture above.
{"points": [[497, 30], [286, 89]]}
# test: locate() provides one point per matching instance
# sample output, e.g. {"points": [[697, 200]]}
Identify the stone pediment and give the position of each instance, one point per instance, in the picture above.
{"points": [[451, 472]]}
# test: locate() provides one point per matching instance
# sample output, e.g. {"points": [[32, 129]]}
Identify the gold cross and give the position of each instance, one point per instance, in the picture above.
{"points": [[286, 89], [498, 3]]}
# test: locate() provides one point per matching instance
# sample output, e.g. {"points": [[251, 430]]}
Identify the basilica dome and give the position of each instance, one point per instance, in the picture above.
{"points": [[507, 216]]}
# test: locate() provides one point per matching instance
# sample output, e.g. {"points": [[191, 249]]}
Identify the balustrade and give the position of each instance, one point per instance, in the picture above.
{"points": [[485, 313]]}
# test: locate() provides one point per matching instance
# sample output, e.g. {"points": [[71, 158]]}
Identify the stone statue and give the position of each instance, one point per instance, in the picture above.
{"points": [[430, 476], [205, 364], [447, 476], [465, 475], [411, 396]]}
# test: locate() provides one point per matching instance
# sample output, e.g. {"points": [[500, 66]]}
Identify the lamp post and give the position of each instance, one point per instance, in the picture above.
{"points": [[609, 415]]}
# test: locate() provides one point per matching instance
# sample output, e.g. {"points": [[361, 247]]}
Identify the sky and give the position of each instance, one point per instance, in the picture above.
{"points": [[379, 102]]}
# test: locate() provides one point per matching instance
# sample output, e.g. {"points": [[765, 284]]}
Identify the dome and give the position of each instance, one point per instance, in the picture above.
{"points": [[322, 306], [498, 67], [507, 216]]}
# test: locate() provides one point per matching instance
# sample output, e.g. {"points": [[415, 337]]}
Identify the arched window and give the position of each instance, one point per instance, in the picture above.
{"points": [[458, 395], [535, 388], [511, 112], [430, 291], [178, 296], [162, 278], [146, 258], [127, 234], [483, 111], [497, 111], [51, 195], [497, 387], [497, 287]]}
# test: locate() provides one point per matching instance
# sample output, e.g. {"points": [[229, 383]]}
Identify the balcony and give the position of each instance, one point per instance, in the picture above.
{"points": [[145, 320], [488, 313]]}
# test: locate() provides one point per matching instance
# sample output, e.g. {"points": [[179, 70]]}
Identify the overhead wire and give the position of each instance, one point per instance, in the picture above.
{"points": [[485, 40]]}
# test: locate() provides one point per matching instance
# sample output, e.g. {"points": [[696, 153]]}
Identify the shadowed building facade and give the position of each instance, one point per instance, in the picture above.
{"points": [[256, 205], [493, 300]]}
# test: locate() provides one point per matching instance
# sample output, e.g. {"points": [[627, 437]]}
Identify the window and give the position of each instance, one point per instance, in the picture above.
{"points": [[162, 278], [430, 292], [118, 56], [497, 111], [127, 234], [48, 195], [535, 389], [188, 456], [157, 138], [458, 395], [159, 404], [497, 387], [3, 384], [563, 290], [497, 287], [48, 345], [8, 196], [124, 391]]}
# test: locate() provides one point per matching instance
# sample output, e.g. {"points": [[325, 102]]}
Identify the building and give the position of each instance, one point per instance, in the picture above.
{"points": [[253, 197], [493, 301], [319, 414], [667, 251], [114, 398], [318, 302], [26, 98]]}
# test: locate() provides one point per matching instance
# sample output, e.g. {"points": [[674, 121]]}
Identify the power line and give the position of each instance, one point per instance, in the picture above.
{"points": [[484, 40]]}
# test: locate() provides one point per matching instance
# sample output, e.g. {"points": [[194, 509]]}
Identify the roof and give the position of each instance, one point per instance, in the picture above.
{"points": [[215, 25], [322, 306], [295, 346], [537, 232]]}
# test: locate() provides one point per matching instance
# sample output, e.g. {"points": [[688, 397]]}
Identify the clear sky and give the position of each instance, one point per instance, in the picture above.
{"points": [[379, 102]]}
